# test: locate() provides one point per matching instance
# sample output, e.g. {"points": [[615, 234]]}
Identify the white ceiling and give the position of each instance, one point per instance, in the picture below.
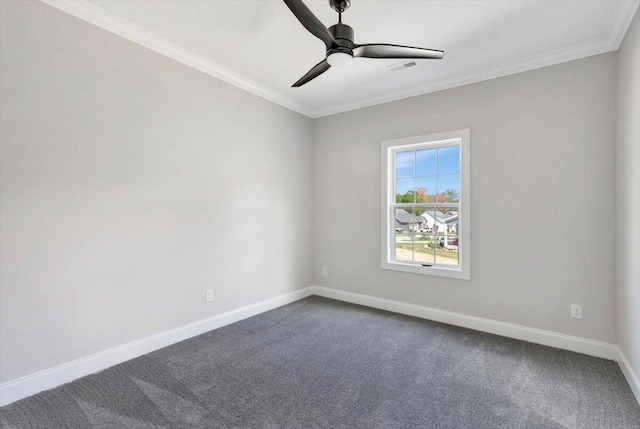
{"points": [[260, 46]]}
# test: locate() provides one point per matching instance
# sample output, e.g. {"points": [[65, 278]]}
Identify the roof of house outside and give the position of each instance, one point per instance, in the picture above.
{"points": [[404, 216]]}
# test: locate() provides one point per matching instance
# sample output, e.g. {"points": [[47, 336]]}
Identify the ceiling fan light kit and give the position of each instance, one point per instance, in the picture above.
{"points": [[339, 59], [340, 47]]}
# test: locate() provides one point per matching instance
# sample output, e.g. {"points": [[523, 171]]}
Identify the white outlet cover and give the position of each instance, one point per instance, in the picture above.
{"points": [[576, 311], [208, 295]]}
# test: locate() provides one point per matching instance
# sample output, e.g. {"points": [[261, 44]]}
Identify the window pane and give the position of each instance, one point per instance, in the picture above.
{"points": [[426, 190], [424, 249], [448, 160], [424, 253], [447, 253], [426, 162], [450, 220], [405, 190], [406, 220], [449, 189], [405, 163], [405, 226]]}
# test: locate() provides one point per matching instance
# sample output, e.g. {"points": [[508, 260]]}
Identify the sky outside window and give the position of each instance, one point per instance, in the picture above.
{"points": [[428, 173]]}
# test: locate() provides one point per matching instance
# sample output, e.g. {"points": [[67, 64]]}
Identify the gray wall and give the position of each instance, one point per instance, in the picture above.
{"points": [[130, 184], [628, 195], [543, 197]]}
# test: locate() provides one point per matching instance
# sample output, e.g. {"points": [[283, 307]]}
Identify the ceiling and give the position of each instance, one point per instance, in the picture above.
{"points": [[259, 45]]}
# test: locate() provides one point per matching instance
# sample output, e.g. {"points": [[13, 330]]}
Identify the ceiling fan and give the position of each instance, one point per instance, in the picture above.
{"points": [[338, 39]]}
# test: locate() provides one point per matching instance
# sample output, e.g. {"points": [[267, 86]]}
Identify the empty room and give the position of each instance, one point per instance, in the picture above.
{"points": [[299, 214]]}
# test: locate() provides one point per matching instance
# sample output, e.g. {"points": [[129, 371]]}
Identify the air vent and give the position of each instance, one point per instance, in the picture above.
{"points": [[398, 67]]}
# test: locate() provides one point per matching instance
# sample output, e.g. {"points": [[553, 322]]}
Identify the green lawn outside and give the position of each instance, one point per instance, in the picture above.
{"points": [[419, 248], [425, 235]]}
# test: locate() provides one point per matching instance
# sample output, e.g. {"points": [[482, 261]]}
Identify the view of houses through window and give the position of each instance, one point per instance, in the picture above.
{"points": [[427, 189]]}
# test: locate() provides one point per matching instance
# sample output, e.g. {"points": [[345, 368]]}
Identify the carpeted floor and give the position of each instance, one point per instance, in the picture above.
{"points": [[319, 363]]}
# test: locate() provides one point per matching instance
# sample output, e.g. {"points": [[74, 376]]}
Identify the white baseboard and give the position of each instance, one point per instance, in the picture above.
{"points": [[533, 335], [629, 374], [48, 379]]}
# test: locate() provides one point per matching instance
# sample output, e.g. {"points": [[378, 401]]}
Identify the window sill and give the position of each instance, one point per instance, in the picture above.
{"points": [[454, 273]]}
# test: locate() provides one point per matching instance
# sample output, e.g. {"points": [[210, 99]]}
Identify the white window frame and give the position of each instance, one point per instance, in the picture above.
{"points": [[388, 158]]}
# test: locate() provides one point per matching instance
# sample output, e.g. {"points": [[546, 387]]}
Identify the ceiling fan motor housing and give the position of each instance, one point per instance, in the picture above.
{"points": [[341, 32], [343, 36]]}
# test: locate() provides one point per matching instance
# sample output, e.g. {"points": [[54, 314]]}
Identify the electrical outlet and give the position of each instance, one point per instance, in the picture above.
{"points": [[576, 311], [208, 295], [324, 271]]}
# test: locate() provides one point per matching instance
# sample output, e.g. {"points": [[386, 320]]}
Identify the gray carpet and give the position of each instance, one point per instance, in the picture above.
{"points": [[319, 363]]}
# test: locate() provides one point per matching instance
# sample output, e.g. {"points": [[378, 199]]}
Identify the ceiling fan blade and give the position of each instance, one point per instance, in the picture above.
{"points": [[380, 50], [316, 71], [310, 21]]}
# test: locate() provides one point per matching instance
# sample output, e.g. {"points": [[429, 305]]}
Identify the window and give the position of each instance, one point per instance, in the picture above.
{"points": [[425, 204]]}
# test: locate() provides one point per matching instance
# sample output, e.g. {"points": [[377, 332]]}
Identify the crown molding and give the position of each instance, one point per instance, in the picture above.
{"points": [[84, 10], [611, 42], [621, 21], [114, 24]]}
